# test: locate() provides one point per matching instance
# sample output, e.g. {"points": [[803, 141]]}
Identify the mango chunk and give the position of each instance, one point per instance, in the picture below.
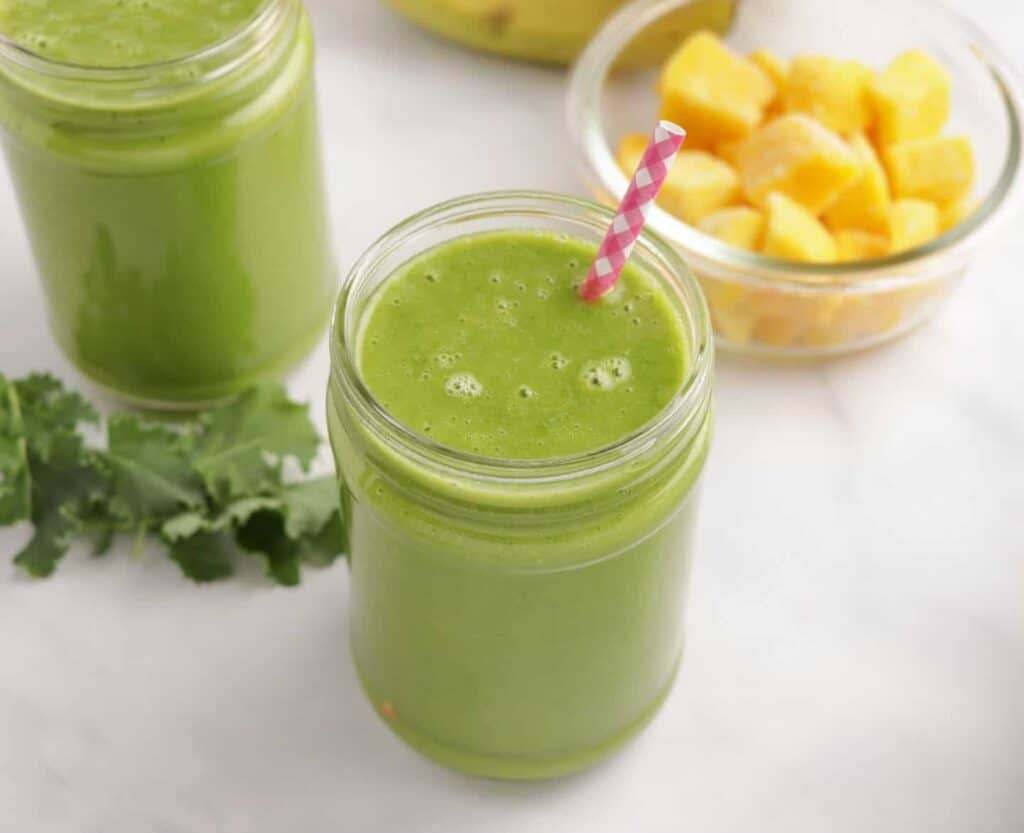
{"points": [[773, 66], [740, 225], [797, 156], [777, 330], [697, 185], [794, 232], [730, 151], [913, 222], [831, 90], [954, 213], [854, 244], [734, 324], [911, 99], [865, 204], [940, 168], [712, 91]]}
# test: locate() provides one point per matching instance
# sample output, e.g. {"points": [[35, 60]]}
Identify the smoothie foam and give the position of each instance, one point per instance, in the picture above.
{"points": [[485, 346]]}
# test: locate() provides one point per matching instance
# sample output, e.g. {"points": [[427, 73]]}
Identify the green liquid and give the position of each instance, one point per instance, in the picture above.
{"points": [[494, 630], [181, 237], [121, 33], [485, 346]]}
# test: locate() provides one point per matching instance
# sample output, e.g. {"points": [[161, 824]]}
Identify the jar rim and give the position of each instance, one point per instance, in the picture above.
{"points": [[225, 54], [682, 414], [585, 124]]}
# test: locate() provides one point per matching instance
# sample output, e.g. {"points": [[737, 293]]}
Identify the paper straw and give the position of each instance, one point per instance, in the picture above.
{"points": [[629, 220]]}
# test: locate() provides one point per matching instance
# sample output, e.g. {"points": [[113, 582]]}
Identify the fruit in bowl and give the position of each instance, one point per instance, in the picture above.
{"points": [[841, 163], [815, 159], [798, 257]]}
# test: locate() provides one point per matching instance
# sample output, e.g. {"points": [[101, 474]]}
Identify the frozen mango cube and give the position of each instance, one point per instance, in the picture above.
{"points": [[797, 156], [910, 99], [730, 151], [777, 330], [794, 233], [734, 324], [712, 91], [773, 66], [831, 90], [740, 226], [954, 213], [913, 222], [697, 185], [940, 168], [865, 204], [854, 244]]}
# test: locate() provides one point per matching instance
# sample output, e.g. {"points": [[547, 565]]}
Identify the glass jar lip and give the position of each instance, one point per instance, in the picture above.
{"points": [[692, 400], [585, 124], [226, 54]]}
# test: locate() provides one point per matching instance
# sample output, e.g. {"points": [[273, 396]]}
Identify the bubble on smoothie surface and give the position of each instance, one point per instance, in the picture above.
{"points": [[463, 386], [607, 374], [596, 376], [620, 368], [495, 277], [559, 361], [445, 360], [526, 392]]}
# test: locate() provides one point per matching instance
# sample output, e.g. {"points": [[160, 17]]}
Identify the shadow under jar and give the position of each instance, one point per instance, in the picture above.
{"points": [[516, 618], [176, 209]]}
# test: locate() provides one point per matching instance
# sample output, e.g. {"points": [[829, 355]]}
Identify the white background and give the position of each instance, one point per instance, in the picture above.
{"points": [[856, 660]]}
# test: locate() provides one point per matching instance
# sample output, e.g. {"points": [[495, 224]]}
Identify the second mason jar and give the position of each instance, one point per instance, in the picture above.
{"points": [[167, 164], [514, 613]]}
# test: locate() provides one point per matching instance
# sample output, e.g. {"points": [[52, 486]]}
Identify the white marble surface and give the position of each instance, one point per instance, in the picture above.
{"points": [[856, 660]]}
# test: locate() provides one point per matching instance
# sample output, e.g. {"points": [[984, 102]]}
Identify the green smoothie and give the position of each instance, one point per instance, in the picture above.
{"points": [[506, 628], [176, 212], [121, 33], [515, 366]]}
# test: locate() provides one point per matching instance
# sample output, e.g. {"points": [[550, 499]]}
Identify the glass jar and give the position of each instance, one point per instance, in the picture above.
{"points": [[537, 30], [176, 211], [516, 618]]}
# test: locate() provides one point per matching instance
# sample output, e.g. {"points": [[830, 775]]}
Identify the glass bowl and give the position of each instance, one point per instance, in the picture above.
{"points": [[767, 306]]}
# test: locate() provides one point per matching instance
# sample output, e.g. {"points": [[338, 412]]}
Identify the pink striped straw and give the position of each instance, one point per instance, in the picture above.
{"points": [[629, 220]]}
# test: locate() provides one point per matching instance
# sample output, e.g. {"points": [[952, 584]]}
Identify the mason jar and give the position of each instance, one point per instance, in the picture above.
{"points": [[516, 618], [176, 210]]}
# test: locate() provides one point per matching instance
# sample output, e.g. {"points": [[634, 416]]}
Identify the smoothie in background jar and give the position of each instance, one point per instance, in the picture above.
{"points": [[166, 159], [518, 475], [543, 30]]}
